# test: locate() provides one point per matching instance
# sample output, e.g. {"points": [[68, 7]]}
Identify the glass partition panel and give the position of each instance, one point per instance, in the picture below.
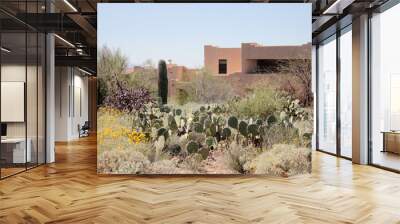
{"points": [[41, 78], [31, 97], [385, 89], [327, 95], [14, 153], [346, 92]]}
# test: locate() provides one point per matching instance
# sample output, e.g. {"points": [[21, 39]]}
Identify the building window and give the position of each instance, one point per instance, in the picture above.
{"points": [[222, 66]]}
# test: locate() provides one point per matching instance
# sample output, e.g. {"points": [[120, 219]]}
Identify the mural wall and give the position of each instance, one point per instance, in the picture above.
{"points": [[175, 97]]}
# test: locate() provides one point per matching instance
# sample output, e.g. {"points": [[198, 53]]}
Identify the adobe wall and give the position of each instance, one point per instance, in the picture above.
{"points": [[213, 54]]}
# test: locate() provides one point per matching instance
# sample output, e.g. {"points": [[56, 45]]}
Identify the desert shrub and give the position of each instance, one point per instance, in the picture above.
{"points": [[193, 162], [305, 130], [282, 160], [237, 157], [197, 137], [146, 78], [175, 141], [102, 91], [280, 134], [182, 97], [261, 103], [122, 162], [300, 70], [206, 88], [293, 109], [167, 167]]}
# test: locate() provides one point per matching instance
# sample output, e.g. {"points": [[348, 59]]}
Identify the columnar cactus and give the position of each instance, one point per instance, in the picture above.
{"points": [[162, 82]]}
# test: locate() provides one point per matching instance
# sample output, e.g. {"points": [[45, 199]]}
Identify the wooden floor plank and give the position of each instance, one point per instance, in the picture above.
{"points": [[70, 191]]}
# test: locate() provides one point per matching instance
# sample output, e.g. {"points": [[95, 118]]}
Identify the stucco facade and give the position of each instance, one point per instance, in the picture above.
{"points": [[251, 57], [212, 55]]}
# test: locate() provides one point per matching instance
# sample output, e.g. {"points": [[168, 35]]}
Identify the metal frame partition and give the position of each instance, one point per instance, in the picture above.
{"points": [[336, 30], [35, 45], [380, 9]]}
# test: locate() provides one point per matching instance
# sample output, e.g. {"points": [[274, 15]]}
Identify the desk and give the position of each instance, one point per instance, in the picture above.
{"points": [[391, 141], [13, 150]]}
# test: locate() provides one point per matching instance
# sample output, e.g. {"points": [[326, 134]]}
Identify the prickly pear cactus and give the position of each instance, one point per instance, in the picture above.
{"points": [[203, 118], [178, 112], [233, 122], [207, 123], [192, 147], [210, 142], [162, 132], [159, 144], [172, 123], [253, 130], [271, 119], [174, 149], [226, 133], [197, 127], [204, 152], [243, 128]]}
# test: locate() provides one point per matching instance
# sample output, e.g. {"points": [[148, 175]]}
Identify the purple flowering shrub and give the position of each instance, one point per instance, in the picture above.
{"points": [[129, 100]]}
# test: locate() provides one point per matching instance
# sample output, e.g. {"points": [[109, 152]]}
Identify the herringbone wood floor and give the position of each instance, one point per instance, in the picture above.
{"points": [[70, 191]]}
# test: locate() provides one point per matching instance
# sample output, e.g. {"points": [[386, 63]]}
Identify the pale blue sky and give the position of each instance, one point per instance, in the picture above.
{"points": [[179, 31]]}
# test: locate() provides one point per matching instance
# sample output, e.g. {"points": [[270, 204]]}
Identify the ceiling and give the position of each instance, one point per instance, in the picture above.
{"points": [[75, 21]]}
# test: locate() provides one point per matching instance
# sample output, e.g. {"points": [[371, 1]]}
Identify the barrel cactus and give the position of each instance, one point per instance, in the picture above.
{"points": [[233, 122], [192, 147]]}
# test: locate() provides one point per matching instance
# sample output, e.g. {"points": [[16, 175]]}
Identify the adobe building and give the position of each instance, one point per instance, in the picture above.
{"points": [[251, 58]]}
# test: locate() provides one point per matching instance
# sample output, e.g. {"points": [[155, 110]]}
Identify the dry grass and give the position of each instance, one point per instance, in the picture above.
{"points": [[283, 160]]}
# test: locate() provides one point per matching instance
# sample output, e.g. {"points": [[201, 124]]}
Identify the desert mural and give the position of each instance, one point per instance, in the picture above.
{"points": [[242, 109]]}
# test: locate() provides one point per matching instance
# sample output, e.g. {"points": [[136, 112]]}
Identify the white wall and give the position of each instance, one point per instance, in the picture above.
{"points": [[70, 83]]}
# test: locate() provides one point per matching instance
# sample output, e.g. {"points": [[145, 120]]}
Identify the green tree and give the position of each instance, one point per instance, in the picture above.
{"points": [[162, 81], [111, 64]]}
